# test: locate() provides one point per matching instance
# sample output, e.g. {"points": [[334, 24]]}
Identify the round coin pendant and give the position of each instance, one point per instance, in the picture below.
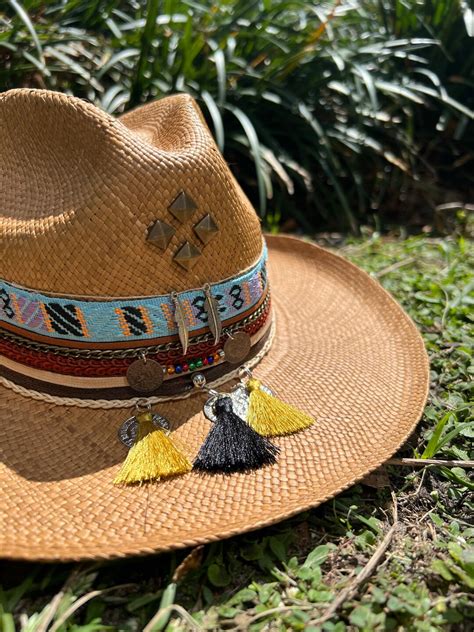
{"points": [[127, 432], [237, 348], [145, 376], [240, 401]]}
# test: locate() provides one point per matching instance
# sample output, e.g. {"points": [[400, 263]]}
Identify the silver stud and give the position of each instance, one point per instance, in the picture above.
{"points": [[160, 234], [199, 380], [187, 255], [206, 229], [183, 207]]}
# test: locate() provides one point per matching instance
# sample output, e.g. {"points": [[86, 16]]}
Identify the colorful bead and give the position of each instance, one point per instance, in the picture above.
{"points": [[195, 364]]}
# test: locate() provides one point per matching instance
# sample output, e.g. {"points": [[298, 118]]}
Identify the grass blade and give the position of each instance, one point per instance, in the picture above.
{"points": [[451, 435], [128, 53], [139, 81], [25, 18], [252, 137], [369, 84], [219, 60], [216, 117], [432, 445]]}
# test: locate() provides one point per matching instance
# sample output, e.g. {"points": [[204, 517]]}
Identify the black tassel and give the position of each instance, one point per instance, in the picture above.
{"points": [[232, 445]]}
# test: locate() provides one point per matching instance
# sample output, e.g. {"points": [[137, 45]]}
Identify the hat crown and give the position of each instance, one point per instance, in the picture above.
{"points": [[97, 206]]}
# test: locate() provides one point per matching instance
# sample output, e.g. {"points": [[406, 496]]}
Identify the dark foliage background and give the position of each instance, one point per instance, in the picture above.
{"points": [[332, 115]]}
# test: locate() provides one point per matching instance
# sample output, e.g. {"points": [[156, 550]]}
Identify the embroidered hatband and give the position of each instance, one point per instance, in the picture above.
{"points": [[126, 322], [64, 345]]}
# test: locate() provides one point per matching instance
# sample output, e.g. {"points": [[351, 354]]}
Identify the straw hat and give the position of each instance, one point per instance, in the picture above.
{"points": [[132, 262]]}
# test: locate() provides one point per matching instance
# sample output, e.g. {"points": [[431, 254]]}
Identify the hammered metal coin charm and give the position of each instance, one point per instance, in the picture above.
{"points": [[240, 402], [237, 348], [145, 376], [127, 432]]}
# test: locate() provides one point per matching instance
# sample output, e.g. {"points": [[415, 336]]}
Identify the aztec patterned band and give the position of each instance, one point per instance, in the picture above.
{"points": [[65, 345], [42, 317]]}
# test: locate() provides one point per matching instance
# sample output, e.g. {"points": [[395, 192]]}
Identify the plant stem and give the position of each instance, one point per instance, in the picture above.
{"points": [[423, 462]]}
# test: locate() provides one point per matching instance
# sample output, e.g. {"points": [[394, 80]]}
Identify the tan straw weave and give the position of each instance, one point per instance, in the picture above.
{"points": [[87, 187], [79, 190]]}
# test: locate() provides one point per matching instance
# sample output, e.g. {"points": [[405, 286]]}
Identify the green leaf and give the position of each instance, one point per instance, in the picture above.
{"points": [[253, 551], [455, 551], [467, 432], [451, 435], [370, 85], [432, 446], [440, 568], [25, 18], [465, 577], [317, 596], [228, 612], [167, 599], [218, 575], [219, 60], [142, 600], [361, 616], [243, 596], [128, 53], [216, 118], [467, 560], [252, 137], [392, 88], [277, 547], [306, 573], [208, 595], [395, 604], [68, 62], [317, 556], [459, 476], [7, 622], [139, 81]]}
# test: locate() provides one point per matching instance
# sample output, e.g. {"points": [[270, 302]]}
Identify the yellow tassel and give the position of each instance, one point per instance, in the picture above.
{"points": [[152, 456], [270, 416]]}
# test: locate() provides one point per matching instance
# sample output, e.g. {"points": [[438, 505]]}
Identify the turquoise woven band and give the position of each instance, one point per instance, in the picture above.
{"points": [[120, 320]]}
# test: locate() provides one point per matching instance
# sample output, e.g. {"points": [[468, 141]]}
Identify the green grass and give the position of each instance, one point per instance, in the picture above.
{"points": [[287, 576]]}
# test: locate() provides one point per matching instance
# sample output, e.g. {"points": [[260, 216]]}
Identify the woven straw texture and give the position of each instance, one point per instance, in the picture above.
{"points": [[88, 186], [344, 352]]}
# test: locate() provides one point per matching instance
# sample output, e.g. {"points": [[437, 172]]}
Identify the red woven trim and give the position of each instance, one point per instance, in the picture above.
{"points": [[92, 367]]}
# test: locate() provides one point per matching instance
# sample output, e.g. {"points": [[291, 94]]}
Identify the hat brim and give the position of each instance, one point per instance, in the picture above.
{"points": [[344, 351]]}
